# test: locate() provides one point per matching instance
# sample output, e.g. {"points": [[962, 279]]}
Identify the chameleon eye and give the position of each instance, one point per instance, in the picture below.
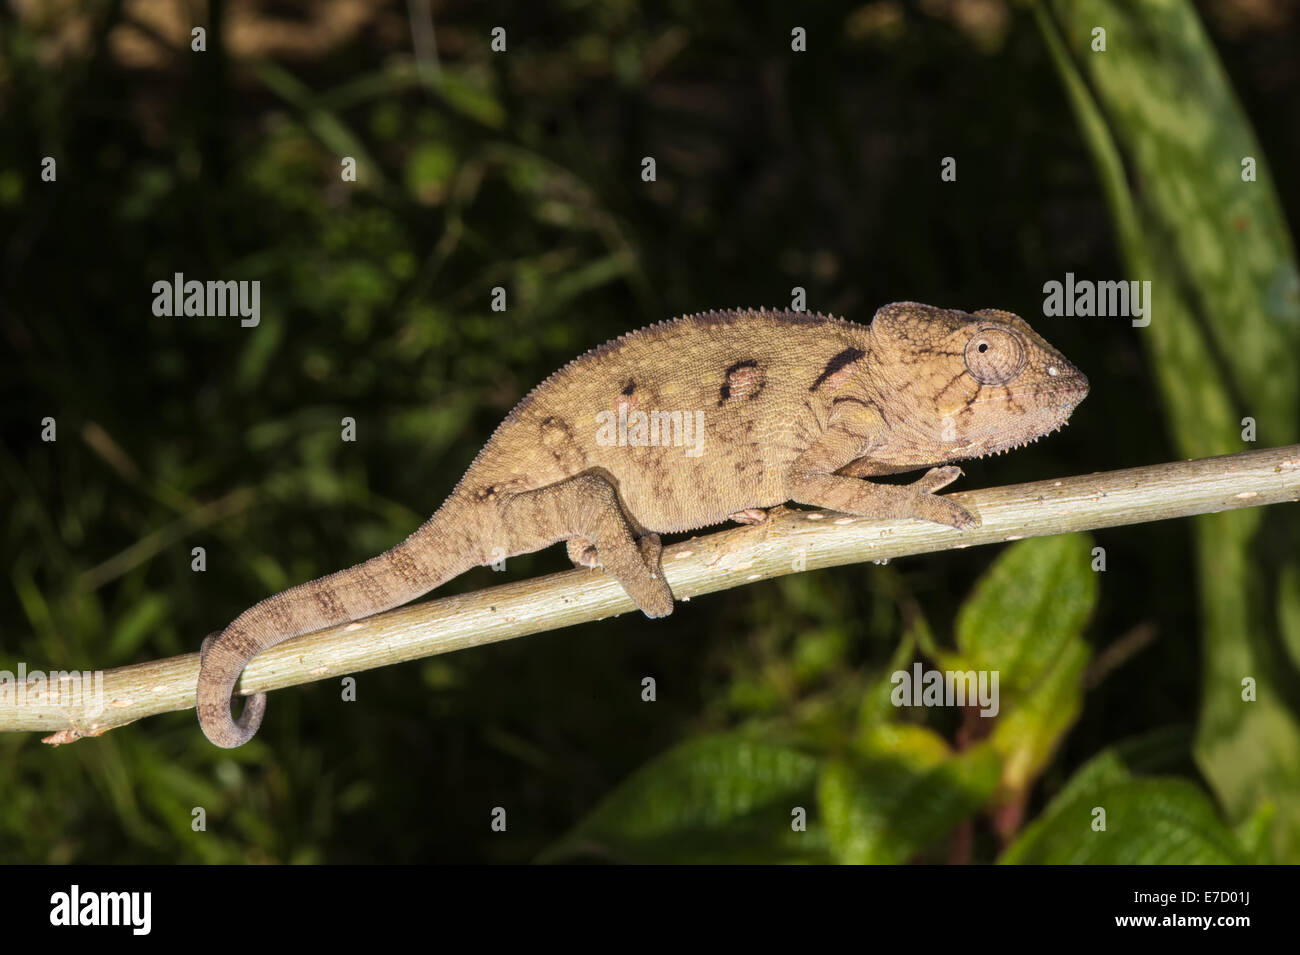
{"points": [[994, 356]]}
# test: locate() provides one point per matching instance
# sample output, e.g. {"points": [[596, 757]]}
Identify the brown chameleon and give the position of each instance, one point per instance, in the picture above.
{"points": [[689, 423]]}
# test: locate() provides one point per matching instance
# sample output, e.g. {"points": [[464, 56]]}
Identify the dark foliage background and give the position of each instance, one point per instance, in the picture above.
{"points": [[519, 169]]}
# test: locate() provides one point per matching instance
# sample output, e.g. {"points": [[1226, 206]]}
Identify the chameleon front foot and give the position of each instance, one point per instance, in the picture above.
{"points": [[865, 499], [939, 510]]}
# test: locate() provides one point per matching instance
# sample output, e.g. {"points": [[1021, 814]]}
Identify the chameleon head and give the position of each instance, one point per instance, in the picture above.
{"points": [[983, 383]]}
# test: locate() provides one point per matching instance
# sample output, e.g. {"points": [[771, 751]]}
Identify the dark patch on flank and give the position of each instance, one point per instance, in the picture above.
{"points": [[744, 381], [837, 364], [631, 387]]}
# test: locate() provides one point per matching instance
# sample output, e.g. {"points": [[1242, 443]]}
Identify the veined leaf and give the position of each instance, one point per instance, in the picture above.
{"points": [[713, 799], [908, 792], [1027, 609], [1147, 822], [1204, 226], [1024, 622]]}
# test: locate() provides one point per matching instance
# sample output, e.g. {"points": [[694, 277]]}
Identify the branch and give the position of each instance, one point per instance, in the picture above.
{"points": [[789, 541]]}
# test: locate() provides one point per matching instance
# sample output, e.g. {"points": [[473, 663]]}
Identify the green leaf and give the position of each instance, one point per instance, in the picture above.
{"points": [[1119, 763], [1024, 622], [905, 795], [573, 284], [1027, 610], [1254, 833], [1169, 139], [1226, 234], [714, 799], [1028, 733], [1148, 822]]}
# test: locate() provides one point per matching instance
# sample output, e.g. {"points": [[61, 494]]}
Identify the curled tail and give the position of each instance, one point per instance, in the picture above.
{"points": [[442, 548]]}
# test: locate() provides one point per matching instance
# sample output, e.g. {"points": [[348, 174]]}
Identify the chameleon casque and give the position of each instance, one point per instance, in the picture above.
{"points": [[788, 406]]}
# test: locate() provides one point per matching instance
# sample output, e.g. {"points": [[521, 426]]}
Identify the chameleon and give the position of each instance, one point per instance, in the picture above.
{"points": [[689, 423]]}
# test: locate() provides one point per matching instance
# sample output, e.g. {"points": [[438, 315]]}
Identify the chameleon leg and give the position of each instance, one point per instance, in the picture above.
{"points": [[587, 507], [852, 431], [853, 496], [582, 552], [757, 515]]}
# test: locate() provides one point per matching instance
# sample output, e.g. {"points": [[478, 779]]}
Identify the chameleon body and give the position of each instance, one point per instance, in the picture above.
{"points": [[689, 423]]}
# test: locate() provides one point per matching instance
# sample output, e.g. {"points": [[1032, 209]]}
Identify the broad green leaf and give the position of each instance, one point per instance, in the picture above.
{"points": [[1147, 822], [1024, 622], [1027, 609], [713, 799], [1179, 125], [1149, 752], [904, 795], [1156, 110], [1028, 733], [1255, 833], [919, 747]]}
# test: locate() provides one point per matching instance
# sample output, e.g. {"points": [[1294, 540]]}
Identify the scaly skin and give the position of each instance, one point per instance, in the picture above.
{"points": [[792, 407]]}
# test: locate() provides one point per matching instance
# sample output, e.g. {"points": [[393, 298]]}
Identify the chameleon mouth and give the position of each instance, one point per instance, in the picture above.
{"points": [[996, 449], [1024, 443], [1067, 395]]}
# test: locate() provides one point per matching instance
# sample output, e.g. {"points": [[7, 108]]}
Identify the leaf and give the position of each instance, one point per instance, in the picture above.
{"points": [[1028, 733], [1148, 819], [1027, 609], [908, 793], [1226, 339], [1120, 762], [1024, 622], [1254, 833], [713, 799], [1148, 822]]}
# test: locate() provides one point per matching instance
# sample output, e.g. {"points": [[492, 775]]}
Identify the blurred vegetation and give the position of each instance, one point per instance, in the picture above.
{"points": [[522, 170]]}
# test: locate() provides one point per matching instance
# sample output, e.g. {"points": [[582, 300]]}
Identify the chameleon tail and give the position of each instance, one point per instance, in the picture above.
{"points": [[442, 548]]}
